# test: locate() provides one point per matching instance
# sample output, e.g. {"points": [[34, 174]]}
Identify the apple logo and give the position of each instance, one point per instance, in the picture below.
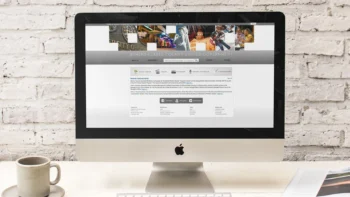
{"points": [[179, 150]]}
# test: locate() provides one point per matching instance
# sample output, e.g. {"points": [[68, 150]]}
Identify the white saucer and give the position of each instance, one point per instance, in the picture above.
{"points": [[55, 191]]}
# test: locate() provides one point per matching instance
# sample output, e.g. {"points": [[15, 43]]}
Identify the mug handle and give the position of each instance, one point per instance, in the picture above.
{"points": [[58, 177]]}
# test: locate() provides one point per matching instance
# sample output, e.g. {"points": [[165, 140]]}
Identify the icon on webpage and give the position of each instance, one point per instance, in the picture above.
{"points": [[157, 72], [173, 72]]}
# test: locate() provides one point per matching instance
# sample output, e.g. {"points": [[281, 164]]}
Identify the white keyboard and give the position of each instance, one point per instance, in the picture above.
{"points": [[174, 195]]}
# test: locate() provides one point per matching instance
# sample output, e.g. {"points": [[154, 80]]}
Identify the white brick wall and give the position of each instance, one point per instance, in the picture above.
{"points": [[315, 90], [41, 66], [18, 43], [5, 2], [51, 2], [317, 44], [59, 44], [37, 72], [209, 2], [324, 23], [129, 3]]}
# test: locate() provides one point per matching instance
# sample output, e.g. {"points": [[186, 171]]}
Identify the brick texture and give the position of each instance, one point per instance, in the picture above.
{"points": [[37, 72], [292, 113], [325, 23], [5, 2], [51, 2], [17, 134], [287, 2], [129, 3], [315, 90], [329, 69], [41, 66], [18, 44], [313, 135], [60, 134], [32, 22], [44, 114], [341, 11], [315, 45], [341, 2], [56, 91], [290, 22], [295, 67], [210, 2], [18, 91], [61, 45]]}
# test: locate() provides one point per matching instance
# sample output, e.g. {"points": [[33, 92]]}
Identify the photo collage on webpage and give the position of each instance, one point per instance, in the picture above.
{"points": [[221, 37]]}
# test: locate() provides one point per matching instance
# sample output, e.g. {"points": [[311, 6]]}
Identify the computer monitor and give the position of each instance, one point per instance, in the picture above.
{"points": [[180, 87]]}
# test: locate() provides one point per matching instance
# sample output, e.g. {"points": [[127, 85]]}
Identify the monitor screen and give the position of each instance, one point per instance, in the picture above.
{"points": [[180, 75]]}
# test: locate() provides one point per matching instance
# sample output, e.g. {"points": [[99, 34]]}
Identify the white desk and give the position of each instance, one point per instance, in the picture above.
{"points": [[81, 179]]}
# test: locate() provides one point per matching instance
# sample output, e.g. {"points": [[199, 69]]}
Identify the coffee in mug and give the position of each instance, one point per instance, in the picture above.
{"points": [[33, 176]]}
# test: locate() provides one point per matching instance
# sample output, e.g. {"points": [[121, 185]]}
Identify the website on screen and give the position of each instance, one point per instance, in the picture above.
{"points": [[180, 75]]}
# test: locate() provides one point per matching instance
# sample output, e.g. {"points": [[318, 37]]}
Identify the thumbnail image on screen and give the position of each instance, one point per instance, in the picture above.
{"points": [[223, 37], [126, 37], [200, 37], [244, 34], [158, 35]]}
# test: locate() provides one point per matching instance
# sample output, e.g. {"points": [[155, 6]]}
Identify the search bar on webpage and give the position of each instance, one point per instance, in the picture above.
{"points": [[180, 60]]}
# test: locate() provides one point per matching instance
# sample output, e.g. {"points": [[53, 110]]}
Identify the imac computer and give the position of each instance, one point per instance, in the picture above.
{"points": [[179, 89]]}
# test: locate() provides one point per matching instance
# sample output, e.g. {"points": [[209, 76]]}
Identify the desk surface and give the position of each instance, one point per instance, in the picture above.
{"points": [[106, 179]]}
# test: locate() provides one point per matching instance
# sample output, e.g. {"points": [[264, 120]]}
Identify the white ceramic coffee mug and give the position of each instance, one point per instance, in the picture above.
{"points": [[33, 176]]}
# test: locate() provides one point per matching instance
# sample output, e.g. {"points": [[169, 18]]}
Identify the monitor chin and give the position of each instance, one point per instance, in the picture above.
{"points": [[180, 150]]}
